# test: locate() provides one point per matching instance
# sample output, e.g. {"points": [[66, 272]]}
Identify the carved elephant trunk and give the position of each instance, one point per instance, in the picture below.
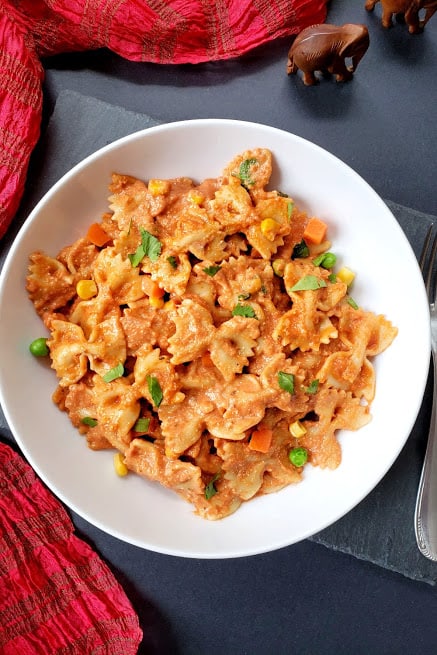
{"points": [[325, 48]]}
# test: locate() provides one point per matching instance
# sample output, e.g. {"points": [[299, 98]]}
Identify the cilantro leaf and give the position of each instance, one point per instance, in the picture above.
{"points": [[154, 390], [313, 387], [281, 194], [244, 172], [87, 420], [286, 381], [300, 250], [136, 257], [244, 310], [243, 296], [151, 245], [352, 303], [210, 489], [172, 261], [142, 424], [211, 270], [290, 207], [114, 373], [332, 278], [309, 283]]}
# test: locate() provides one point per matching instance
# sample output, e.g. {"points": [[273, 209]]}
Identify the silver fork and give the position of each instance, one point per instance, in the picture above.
{"points": [[425, 516]]}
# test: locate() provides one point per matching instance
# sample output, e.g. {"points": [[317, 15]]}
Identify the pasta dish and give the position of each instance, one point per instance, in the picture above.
{"points": [[207, 334]]}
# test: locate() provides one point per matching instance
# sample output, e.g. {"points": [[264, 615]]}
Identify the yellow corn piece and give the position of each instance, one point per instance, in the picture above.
{"points": [[170, 305], [278, 266], [297, 429], [346, 275], [158, 303], [196, 197], [86, 289], [120, 467], [158, 187], [269, 228]]}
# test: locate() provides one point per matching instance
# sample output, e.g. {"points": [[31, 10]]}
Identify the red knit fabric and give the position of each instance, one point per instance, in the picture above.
{"points": [[56, 595], [161, 31]]}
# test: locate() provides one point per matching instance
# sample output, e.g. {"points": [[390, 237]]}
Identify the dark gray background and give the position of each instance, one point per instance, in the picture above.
{"points": [[303, 599]]}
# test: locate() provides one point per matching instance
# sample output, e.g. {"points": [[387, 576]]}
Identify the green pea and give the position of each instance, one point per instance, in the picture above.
{"points": [[329, 260], [298, 456], [39, 347]]}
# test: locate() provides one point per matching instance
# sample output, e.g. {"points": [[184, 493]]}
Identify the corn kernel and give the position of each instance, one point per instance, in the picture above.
{"points": [[269, 228], [297, 429], [346, 275], [86, 289], [119, 465], [278, 266], [169, 306], [158, 303], [196, 197], [158, 187]]}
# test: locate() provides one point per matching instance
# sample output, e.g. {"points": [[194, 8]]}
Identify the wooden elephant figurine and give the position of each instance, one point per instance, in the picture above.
{"points": [[408, 8], [325, 47]]}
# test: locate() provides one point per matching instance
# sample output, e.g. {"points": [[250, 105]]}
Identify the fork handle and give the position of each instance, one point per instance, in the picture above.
{"points": [[425, 517]]}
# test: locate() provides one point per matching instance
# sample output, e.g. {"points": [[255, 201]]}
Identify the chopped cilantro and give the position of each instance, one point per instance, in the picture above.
{"points": [[142, 425], [286, 381], [300, 250], [154, 390], [172, 261], [313, 387], [244, 310], [282, 195], [87, 420], [210, 489], [211, 270], [309, 283], [243, 296], [114, 373], [244, 172], [290, 206], [352, 303], [332, 278], [150, 246]]}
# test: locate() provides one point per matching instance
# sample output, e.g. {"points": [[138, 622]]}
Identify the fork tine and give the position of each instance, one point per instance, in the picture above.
{"points": [[425, 247], [427, 260]]}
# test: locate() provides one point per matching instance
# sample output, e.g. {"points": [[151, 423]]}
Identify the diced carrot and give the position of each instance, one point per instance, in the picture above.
{"points": [[315, 231], [261, 439], [97, 235], [156, 291], [207, 361]]}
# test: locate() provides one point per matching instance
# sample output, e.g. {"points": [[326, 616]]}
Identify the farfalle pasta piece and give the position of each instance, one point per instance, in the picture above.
{"points": [[68, 346], [171, 272], [151, 365], [233, 344], [117, 409], [49, 284], [182, 425], [119, 276], [194, 331], [144, 324]]}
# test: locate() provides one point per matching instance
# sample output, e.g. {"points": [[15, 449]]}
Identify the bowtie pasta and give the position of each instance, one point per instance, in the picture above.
{"points": [[203, 332]]}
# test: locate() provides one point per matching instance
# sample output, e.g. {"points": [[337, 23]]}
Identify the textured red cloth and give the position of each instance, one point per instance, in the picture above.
{"points": [[56, 594], [161, 31]]}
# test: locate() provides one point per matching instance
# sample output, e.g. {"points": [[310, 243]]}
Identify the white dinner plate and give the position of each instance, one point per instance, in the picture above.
{"points": [[365, 236]]}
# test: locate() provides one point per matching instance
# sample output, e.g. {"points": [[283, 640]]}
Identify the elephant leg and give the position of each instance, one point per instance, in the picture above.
{"points": [[291, 67], [342, 73], [370, 5], [386, 18], [412, 19], [309, 78]]}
